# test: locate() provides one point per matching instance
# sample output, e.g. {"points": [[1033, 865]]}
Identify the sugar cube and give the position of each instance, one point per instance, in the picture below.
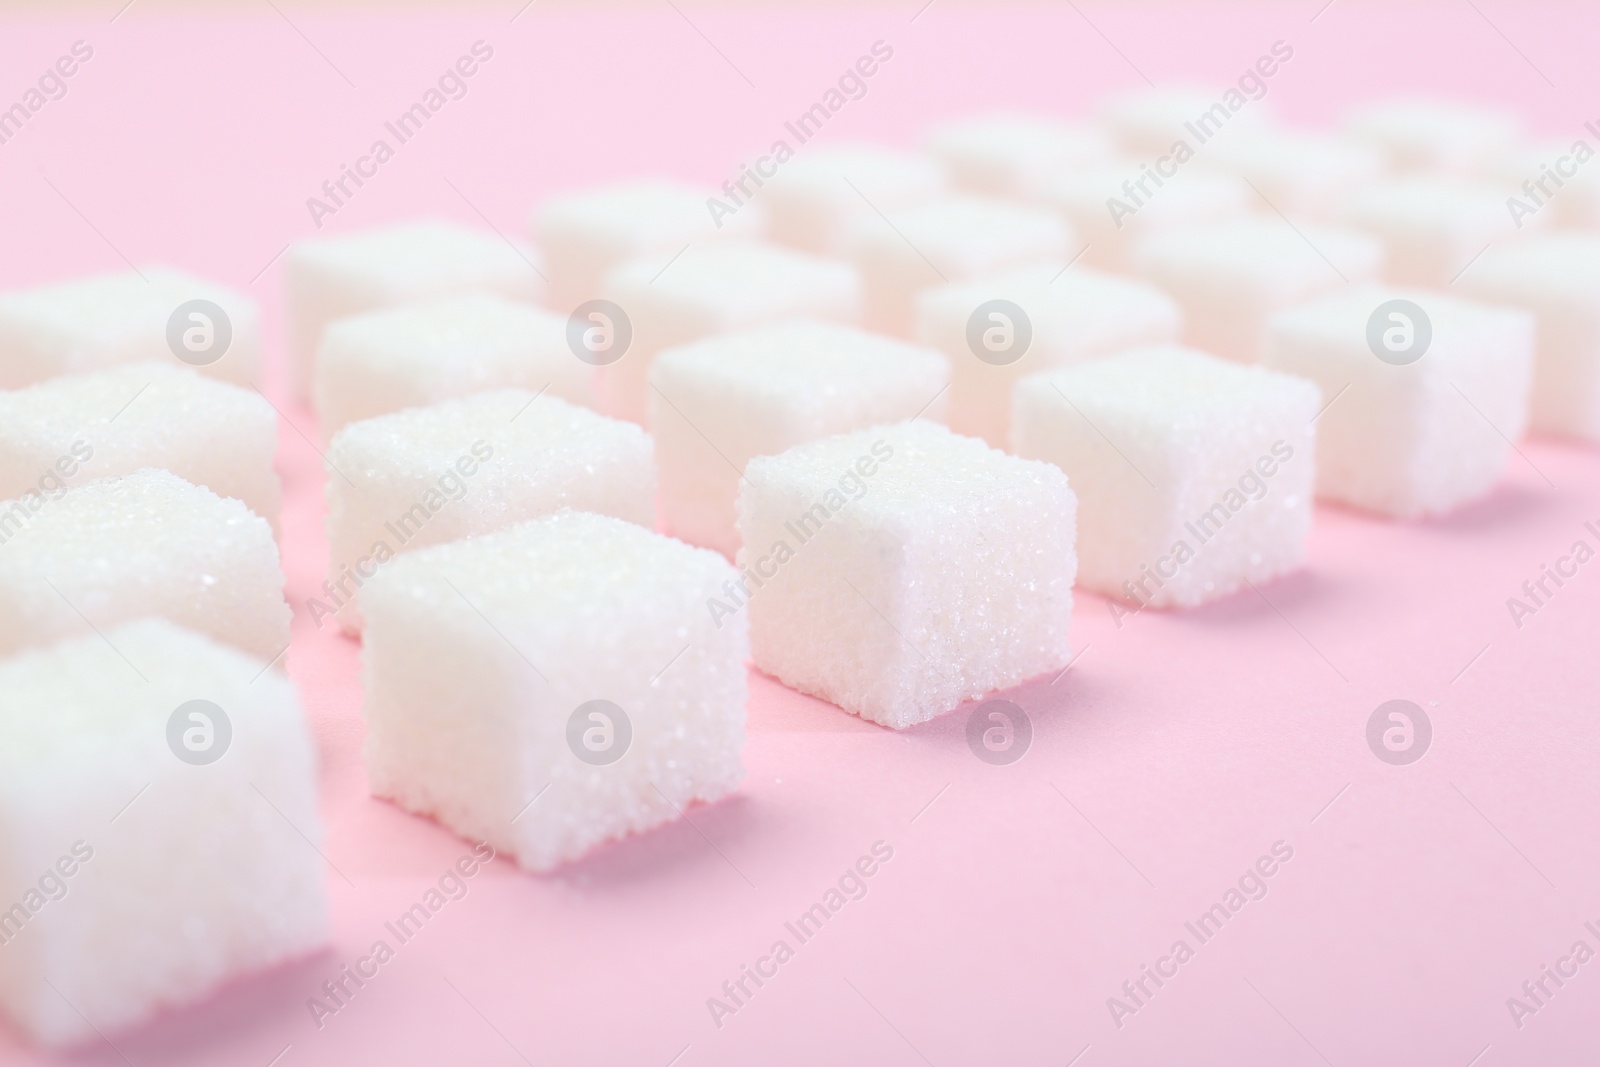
{"points": [[1231, 276], [327, 278], [1113, 206], [1194, 475], [817, 199], [1425, 393], [716, 403], [1419, 133], [999, 330], [1150, 121], [155, 314], [1431, 226], [421, 354], [1557, 278], [1549, 176], [901, 570], [586, 234], [148, 543], [142, 869], [82, 427], [1010, 154], [952, 239], [711, 289], [1298, 172], [554, 685], [470, 466]]}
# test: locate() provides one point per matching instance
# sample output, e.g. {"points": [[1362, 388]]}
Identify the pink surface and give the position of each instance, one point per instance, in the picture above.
{"points": [[1178, 750]]}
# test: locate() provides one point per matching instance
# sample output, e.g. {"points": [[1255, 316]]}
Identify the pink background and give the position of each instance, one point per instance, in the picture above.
{"points": [[1180, 747]]}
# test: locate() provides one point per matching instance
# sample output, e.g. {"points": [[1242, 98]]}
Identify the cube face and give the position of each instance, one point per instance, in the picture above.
{"points": [[1418, 133], [1420, 438], [420, 354], [331, 277], [586, 234], [1299, 173], [1014, 154], [715, 289], [137, 878], [1069, 316], [1193, 475], [1557, 278], [147, 544], [1231, 277], [471, 466], [1149, 121], [901, 570], [80, 428], [1112, 207], [817, 200], [521, 630], [958, 238], [95, 323], [717, 403], [1431, 227]]}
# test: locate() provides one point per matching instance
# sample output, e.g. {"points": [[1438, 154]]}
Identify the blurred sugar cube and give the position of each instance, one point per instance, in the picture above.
{"points": [[1149, 121], [328, 278], [1558, 178], [706, 290], [1231, 276], [1420, 133], [951, 239], [716, 403], [816, 200], [471, 466], [420, 354], [153, 315], [1299, 173], [554, 685], [1425, 393], [1193, 475], [996, 331], [901, 570], [1013, 154], [1431, 226], [145, 544], [1113, 206], [158, 828]]}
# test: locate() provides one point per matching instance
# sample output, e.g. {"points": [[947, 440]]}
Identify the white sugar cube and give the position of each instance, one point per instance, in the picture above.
{"points": [[1009, 154], [1557, 278], [153, 315], [585, 234], [901, 570], [1148, 122], [1425, 393], [421, 354], [717, 403], [148, 543], [711, 289], [158, 820], [470, 466], [1194, 475], [815, 201], [1230, 277], [327, 278], [1418, 133], [1066, 316], [1298, 172], [82, 427], [1431, 226], [1113, 206], [553, 686], [1553, 177], [952, 239]]}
